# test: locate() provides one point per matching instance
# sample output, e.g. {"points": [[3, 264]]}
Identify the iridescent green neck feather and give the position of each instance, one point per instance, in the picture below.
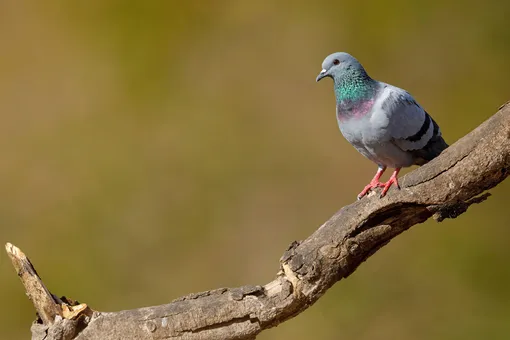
{"points": [[355, 93], [353, 85]]}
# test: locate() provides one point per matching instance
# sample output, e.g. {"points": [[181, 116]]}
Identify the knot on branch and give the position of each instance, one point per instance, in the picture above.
{"points": [[454, 209]]}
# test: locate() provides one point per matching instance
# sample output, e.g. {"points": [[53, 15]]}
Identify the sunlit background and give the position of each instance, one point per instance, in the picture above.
{"points": [[150, 149]]}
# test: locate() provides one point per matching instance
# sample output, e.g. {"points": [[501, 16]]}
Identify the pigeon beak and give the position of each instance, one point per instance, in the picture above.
{"points": [[321, 75]]}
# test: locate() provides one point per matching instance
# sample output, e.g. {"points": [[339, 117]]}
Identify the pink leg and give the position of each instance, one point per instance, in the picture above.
{"points": [[393, 179], [374, 183]]}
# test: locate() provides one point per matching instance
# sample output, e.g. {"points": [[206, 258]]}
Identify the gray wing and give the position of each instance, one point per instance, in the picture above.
{"points": [[409, 127]]}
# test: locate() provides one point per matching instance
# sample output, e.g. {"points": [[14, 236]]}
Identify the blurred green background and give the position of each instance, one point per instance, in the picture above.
{"points": [[154, 149]]}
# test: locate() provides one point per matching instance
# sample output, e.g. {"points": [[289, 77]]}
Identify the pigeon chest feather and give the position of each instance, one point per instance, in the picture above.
{"points": [[353, 109], [355, 129]]}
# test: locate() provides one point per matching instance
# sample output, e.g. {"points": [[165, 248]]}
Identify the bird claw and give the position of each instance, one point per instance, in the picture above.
{"points": [[372, 185], [387, 185]]}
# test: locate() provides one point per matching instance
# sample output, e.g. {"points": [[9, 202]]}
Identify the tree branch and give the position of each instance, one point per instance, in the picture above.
{"points": [[443, 188]]}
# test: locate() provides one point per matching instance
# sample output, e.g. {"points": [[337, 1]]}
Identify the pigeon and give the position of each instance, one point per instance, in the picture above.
{"points": [[383, 122]]}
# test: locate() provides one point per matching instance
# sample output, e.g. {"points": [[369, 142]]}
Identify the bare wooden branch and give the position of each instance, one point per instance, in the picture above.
{"points": [[45, 305], [443, 188]]}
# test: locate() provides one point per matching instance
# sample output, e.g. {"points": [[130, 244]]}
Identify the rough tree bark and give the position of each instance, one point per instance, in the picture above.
{"points": [[443, 188]]}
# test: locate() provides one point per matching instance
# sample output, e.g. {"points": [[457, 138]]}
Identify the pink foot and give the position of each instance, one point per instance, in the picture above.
{"points": [[370, 186], [393, 179], [374, 183]]}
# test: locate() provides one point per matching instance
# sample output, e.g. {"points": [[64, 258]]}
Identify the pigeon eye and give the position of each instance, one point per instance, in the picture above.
{"points": [[336, 62]]}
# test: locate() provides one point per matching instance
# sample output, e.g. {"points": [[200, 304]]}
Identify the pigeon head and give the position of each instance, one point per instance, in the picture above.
{"points": [[339, 64]]}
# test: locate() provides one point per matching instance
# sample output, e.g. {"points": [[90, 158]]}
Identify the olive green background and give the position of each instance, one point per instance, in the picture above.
{"points": [[150, 149]]}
